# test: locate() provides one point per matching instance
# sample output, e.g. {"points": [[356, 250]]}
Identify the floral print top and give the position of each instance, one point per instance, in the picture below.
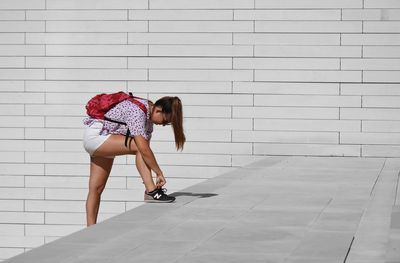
{"points": [[129, 113]]}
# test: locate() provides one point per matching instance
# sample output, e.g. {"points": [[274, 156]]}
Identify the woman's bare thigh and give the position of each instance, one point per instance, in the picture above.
{"points": [[115, 145]]}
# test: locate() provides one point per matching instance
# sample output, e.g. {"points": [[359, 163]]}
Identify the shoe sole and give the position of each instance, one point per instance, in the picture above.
{"points": [[155, 201], [151, 200]]}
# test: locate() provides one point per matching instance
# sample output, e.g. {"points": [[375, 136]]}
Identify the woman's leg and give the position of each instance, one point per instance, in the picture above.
{"points": [[115, 145], [145, 173], [100, 168]]}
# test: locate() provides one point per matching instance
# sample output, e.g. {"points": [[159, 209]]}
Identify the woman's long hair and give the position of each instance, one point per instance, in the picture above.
{"points": [[173, 107]]}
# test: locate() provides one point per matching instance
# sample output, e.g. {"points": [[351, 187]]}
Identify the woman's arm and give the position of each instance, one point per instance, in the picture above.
{"points": [[143, 146]]}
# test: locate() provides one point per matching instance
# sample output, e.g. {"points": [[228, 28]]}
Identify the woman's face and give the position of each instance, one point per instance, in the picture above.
{"points": [[160, 118]]}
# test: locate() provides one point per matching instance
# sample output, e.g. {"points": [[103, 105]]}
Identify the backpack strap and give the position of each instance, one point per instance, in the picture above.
{"points": [[134, 100], [111, 120], [128, 132]]}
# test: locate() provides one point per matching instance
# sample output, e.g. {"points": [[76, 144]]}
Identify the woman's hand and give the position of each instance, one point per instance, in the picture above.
{"points": [[160, 181]]}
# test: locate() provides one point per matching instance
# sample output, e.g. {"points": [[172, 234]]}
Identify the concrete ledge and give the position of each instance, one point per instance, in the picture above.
{"points": [[281, 209]]}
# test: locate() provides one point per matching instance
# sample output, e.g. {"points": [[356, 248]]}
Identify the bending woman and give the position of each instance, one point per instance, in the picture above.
{"points": [[103, 140]]}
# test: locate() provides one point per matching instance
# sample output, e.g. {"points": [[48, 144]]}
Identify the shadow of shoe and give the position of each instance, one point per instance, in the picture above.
{"points": [[200, 195]]}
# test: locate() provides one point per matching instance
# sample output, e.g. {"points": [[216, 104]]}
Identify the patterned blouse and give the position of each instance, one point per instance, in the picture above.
{"points": [[132, 115]]}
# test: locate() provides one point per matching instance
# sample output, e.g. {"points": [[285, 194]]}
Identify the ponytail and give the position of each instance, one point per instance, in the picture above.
{"points": [[173, 106]]}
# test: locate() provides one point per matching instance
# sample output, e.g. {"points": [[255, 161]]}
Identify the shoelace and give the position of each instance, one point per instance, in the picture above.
{"points": [[163, 190]]}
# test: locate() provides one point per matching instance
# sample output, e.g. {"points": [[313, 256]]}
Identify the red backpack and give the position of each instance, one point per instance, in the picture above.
{"points": [[98, 106]]}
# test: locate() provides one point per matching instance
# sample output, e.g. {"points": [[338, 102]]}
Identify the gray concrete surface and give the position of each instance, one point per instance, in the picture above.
{"points": [[281, 209]]}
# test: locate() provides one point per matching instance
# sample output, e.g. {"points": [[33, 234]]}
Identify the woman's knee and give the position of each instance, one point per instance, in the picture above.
{"points": [[132, 148], [96, 189]]}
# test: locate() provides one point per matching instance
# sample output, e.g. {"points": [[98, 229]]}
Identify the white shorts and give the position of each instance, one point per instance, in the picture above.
{"points": [[92, 139]]}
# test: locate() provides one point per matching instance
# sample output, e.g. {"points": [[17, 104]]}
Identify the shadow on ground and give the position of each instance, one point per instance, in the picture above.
{"points": [[200, 195]]}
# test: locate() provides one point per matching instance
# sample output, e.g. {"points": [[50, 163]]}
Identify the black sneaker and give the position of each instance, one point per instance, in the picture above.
{"points": [[158, 196]]}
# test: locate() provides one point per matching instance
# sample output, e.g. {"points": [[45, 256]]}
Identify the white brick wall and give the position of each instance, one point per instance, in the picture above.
{"points": [[257, 77]]}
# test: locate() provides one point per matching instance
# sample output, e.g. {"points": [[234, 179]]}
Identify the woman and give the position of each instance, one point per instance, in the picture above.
{"points": [[104, 139]]}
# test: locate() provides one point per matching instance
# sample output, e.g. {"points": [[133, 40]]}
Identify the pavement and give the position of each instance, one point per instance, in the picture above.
{"points": [[279, 209]]}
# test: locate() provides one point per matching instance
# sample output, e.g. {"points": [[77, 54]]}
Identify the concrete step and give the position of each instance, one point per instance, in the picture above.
{"points": [[278, 210]]}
